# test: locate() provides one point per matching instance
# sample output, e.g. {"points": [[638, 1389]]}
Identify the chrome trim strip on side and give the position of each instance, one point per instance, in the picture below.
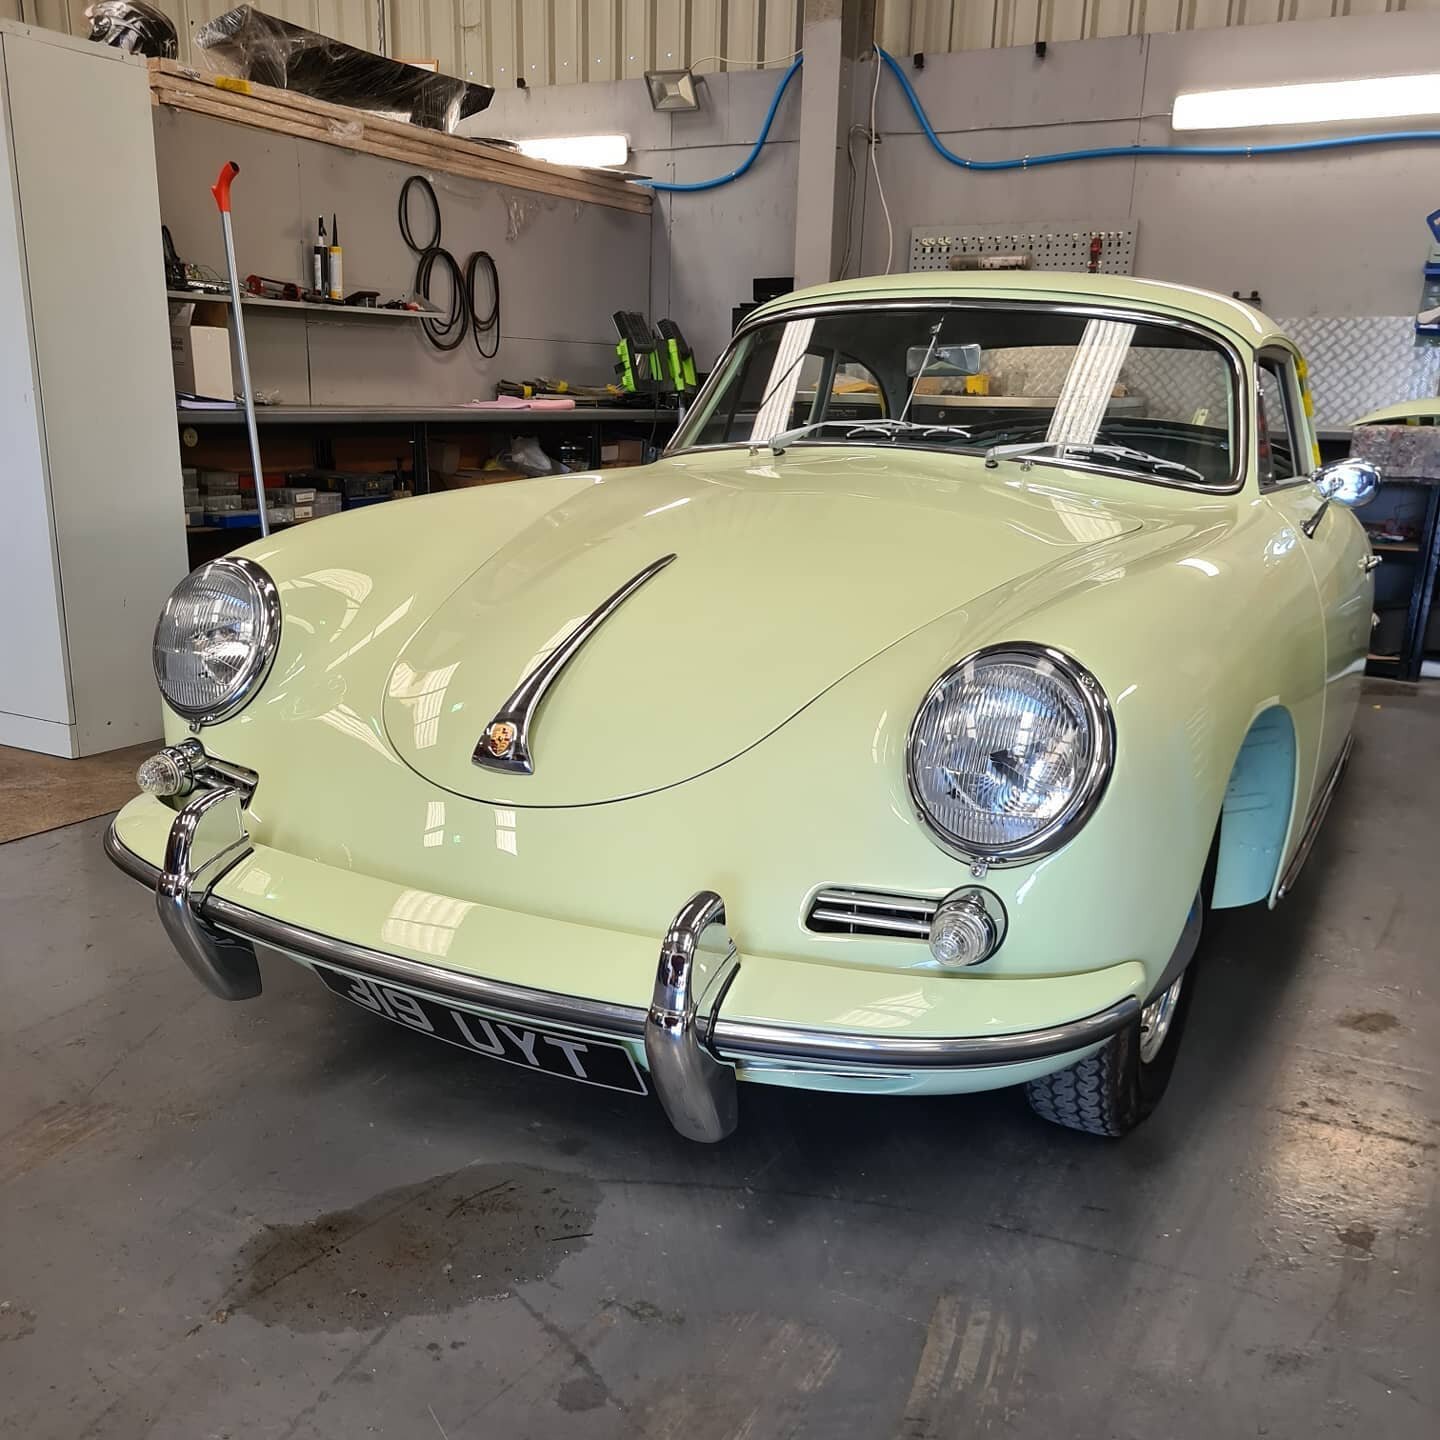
{"points": [[1240, 408], [698, 961], [504, 744], [731, 1040], [1318, 811], [1088, 793]]}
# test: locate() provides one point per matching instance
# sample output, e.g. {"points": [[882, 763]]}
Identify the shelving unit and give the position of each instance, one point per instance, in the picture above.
{"points": [[1423, 555], [321, 435], [312, 307]]}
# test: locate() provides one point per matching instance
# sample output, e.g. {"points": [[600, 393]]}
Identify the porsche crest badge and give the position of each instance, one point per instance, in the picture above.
{"points": [[499, 738]]}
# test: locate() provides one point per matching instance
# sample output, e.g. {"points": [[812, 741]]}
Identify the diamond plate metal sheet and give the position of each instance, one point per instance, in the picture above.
{"points": [[1183, 385], [1361, 362], [1051, 244]]}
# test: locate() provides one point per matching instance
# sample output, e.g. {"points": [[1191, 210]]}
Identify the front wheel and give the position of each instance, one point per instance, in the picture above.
{"points": [[1113, 1090]]}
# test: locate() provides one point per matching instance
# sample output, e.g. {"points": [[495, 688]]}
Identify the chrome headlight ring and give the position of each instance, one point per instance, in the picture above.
{"points": [[1092, 771], [237, 580]]}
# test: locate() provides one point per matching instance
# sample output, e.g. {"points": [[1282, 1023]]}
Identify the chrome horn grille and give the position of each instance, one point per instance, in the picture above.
{"points": [[870, 912]]}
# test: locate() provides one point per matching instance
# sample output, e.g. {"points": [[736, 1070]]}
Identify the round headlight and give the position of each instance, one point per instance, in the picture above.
{"points": [[1009, 753], [216, 638]]}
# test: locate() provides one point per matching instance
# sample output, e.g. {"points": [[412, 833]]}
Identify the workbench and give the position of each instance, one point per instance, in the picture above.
{"points": [[415, 426]]}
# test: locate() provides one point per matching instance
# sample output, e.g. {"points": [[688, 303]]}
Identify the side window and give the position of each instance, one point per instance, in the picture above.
{"points": [[1281, 438]]}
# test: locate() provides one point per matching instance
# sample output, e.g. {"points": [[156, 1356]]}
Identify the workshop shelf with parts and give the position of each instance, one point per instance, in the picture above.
{"points": [[837, 598]]}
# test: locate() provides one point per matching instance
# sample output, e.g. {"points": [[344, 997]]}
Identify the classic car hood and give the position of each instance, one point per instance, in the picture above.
{"points": [[787, 575]]}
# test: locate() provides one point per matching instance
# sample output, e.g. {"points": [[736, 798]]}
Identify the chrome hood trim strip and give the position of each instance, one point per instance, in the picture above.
{"points": [[505, 742]]}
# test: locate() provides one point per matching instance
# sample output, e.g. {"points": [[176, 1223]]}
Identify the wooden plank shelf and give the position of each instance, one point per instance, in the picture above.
{"points": [[285, 111], [313, 307]]}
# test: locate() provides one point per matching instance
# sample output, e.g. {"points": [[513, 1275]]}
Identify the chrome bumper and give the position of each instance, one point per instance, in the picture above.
{"points": [[691, 1050]]}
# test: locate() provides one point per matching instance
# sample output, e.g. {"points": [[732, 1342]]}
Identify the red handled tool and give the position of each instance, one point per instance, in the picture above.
{"points": [[221, 191]]}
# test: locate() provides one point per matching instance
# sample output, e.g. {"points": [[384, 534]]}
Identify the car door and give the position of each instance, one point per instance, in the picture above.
{"points": [[1333, 542]]}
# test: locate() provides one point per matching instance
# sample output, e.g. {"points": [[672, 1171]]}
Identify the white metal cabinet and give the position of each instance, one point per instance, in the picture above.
{"points": [[91, 525]]}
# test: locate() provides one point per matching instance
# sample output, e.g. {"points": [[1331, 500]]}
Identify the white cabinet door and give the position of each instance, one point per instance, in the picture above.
{"points": [[83, 153]]}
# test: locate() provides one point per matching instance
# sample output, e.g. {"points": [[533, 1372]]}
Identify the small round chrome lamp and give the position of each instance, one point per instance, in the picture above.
{"points": [[164, 774], [967, 928]]}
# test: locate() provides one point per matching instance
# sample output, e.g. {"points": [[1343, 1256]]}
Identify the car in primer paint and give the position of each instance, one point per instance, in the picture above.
{"points": [[892, 734]]}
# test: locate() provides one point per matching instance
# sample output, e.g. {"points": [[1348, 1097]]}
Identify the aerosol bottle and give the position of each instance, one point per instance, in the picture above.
{"points": [[318, 258], [336, 277]]}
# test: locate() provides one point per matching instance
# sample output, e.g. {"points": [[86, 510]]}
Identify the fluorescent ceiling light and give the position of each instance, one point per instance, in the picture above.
{"points": [[1382, 98], [596, 151]]}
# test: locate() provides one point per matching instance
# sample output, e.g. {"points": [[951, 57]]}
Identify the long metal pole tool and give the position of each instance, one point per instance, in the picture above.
{"points": [[221, 191]]}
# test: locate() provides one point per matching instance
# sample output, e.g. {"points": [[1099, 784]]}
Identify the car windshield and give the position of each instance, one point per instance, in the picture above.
{"points": [[1140, 396]]}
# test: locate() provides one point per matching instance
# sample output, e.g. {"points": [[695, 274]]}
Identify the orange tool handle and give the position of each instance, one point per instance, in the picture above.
{"points": [[221, 188]]}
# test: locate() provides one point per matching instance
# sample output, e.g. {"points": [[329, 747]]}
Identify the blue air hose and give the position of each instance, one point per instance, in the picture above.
{"points": [[1054, 157], [749, 160], [1110, 152]]}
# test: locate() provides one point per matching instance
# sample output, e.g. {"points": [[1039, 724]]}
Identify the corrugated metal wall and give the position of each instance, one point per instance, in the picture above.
{"points": [[910, 25], [560, 42]]}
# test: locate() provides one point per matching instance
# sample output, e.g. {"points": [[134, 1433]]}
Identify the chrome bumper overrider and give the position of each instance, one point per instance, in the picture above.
{"points": [[692, 1051]]}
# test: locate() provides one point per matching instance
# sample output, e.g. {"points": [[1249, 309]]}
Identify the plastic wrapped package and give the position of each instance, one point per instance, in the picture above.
{"points": [[132, 26], [248, 43], [526, 456]]}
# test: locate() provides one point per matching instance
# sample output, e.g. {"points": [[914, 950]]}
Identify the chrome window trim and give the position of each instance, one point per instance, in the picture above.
{"points": [[267, 643], [1239, 408], [1088, 793], [1298, 436]]}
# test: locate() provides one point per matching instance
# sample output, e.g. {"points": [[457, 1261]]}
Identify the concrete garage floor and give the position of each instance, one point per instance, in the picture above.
{"points": [[290, 1219]]}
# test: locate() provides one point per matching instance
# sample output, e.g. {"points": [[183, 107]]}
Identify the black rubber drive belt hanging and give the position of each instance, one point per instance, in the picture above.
{"points": [[463, 317]]}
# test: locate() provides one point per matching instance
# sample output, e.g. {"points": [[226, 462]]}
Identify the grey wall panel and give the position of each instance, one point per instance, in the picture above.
{"points": [[1103, 80], [1316, 234], [716, 241], [922, 189], [1333, 233], [622, 106], [564, 266]]}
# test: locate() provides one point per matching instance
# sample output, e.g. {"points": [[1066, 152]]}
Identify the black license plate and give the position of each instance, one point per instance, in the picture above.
{"points": [[572, 1057]]}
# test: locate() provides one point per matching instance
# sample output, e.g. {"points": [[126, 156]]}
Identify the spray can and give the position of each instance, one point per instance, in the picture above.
{"points": [[336, 278], [318, 257]]}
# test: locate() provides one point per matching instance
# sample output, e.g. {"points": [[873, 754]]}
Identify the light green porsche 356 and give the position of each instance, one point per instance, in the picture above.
{"points": [[891, 734]]}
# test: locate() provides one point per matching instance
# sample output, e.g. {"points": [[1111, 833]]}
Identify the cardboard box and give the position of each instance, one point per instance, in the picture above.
{"points": [[621, 452], [200, 351]]}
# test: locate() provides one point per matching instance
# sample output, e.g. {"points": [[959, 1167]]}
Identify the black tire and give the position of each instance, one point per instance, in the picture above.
{"points": [[1112, 1091]]}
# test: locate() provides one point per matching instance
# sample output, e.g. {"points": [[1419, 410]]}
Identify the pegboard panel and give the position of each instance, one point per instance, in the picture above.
{"points": [[1051, 245]]}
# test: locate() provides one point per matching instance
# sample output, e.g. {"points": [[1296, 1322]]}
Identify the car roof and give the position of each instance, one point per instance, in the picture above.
{"points": [[1243, 322], [1405, 410]]}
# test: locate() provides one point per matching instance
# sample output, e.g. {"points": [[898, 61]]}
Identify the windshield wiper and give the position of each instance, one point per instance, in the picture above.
{"points": [[854, 429], [1093, 450]]}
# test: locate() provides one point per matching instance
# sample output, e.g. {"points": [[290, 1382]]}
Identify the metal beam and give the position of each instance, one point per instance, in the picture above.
{"points": [[835, 33]]}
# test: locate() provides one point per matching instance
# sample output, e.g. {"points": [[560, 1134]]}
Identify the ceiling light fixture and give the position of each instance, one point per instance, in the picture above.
{"points": [[598, 152], [1317, 103], [672, 90]]}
